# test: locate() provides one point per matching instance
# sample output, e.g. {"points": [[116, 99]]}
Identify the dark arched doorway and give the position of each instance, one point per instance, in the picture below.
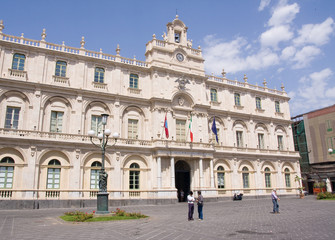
{"points": [[182, 173]]}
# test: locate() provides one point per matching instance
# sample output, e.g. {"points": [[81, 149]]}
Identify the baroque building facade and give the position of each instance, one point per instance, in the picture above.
{"points": [[52, 95]]}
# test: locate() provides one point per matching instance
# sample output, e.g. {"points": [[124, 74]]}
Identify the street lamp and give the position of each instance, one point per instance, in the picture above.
{"points": [[102, 196]]}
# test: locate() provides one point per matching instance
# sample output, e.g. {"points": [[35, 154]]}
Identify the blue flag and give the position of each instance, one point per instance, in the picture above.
{"points": [[214, 130]]}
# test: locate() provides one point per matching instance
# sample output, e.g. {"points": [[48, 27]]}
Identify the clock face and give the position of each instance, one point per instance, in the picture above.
{"points": [[180, 57]]}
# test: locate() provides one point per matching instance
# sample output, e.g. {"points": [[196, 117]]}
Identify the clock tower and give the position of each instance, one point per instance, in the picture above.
{"points": [[175, 51]]}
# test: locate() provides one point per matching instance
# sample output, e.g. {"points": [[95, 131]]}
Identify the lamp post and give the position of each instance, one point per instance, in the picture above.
{"points": [[102, 196]]}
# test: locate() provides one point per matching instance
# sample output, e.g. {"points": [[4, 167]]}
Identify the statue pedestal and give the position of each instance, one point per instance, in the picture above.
{"points": [[102, 203]]}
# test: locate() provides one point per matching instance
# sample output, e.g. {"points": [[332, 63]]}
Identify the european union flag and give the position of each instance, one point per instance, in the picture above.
{"points": [[214, 130]]}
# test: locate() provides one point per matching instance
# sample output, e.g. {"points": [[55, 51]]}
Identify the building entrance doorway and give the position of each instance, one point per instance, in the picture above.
{"points": [[183, 181]]}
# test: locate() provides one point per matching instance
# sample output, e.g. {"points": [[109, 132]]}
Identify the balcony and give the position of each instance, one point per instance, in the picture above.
{"points": [[17, 74], [154, 144]]}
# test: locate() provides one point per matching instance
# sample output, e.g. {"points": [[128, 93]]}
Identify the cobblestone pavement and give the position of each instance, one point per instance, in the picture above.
{"points": [[247, 219]]}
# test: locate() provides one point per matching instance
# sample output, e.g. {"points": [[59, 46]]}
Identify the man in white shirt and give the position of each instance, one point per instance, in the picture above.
{"points": [[190, 201], [275, 200]]}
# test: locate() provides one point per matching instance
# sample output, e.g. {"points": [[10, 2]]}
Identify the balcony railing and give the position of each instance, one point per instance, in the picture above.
{"points": [[134, 143]]}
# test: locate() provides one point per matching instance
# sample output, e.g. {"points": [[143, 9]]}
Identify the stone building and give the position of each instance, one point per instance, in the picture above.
{"points": [[314, 138], [52, 95]]}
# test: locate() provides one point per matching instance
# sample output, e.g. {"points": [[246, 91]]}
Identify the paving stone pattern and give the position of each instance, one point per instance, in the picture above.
{"points": [[247, 219]]}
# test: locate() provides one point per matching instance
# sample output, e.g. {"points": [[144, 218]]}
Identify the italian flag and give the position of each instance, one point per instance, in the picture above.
{"points": [[190, 129]]}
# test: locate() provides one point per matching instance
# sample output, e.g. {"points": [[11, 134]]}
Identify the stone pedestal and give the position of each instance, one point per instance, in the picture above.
{"points": [[102, 203]]}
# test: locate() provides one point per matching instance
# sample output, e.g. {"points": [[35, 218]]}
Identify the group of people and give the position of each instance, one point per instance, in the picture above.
{"points": [[200, 202], [191, 200]]}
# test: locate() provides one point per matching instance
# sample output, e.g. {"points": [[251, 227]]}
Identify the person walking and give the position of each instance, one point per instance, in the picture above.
{"points": [[200, 201], [275, 200], [190, 201]]}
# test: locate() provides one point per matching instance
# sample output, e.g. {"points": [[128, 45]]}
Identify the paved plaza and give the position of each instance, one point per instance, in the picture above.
{"points": [[247, 219]]}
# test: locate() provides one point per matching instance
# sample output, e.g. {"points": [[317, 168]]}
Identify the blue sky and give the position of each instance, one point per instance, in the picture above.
{"points": [[283, 41]]}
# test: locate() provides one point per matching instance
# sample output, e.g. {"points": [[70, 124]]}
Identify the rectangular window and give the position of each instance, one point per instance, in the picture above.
{"points": [[99, 75], [239, 138], [258, 103], [6, 177], [268, 180], [133, 81], [53, 181], [280, 142], [134, 180], [220, 180], [96, 123], [132, 128], [60, 69], [214, 95], [180, 130], [237, 99], [277, 106], [287, 180], [245, 177], [12, 117], [260, 140], [18, 61], [56, 121], [94, 179]]}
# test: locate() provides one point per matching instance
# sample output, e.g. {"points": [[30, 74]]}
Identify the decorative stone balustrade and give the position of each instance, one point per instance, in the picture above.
{"points": [[244, 85], [62, 80], [17, 74], [85, 139]]}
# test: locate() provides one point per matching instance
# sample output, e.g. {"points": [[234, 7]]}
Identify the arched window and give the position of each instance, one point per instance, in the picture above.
{"points": [[267, 177], [287, 178], [133, 81], [6, 173], [53, 178], [245, 177], [134, 176], [60, 69], [99, 75], [95, 169], [18, 61], [220, 173]]}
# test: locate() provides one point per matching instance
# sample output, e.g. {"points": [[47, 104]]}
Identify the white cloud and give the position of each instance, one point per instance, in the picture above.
{"points": [[233, 56], [288, 53], [314, 92], [303, 57], [263, 4], [275, 35], [283, 14], [317, 34]]}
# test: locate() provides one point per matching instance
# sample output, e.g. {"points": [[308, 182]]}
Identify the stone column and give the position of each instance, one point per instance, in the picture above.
{"points": [[201, 173], [159, 173], [212, 173], [172, 172]]}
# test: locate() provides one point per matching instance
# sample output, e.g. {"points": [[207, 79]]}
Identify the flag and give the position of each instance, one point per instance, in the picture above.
{"points": [[166, 127], [190, 129], [214, 130]]}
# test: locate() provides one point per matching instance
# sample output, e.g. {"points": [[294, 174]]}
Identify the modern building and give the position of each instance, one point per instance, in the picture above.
{"points": [[51, 95], [314, 138]]}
